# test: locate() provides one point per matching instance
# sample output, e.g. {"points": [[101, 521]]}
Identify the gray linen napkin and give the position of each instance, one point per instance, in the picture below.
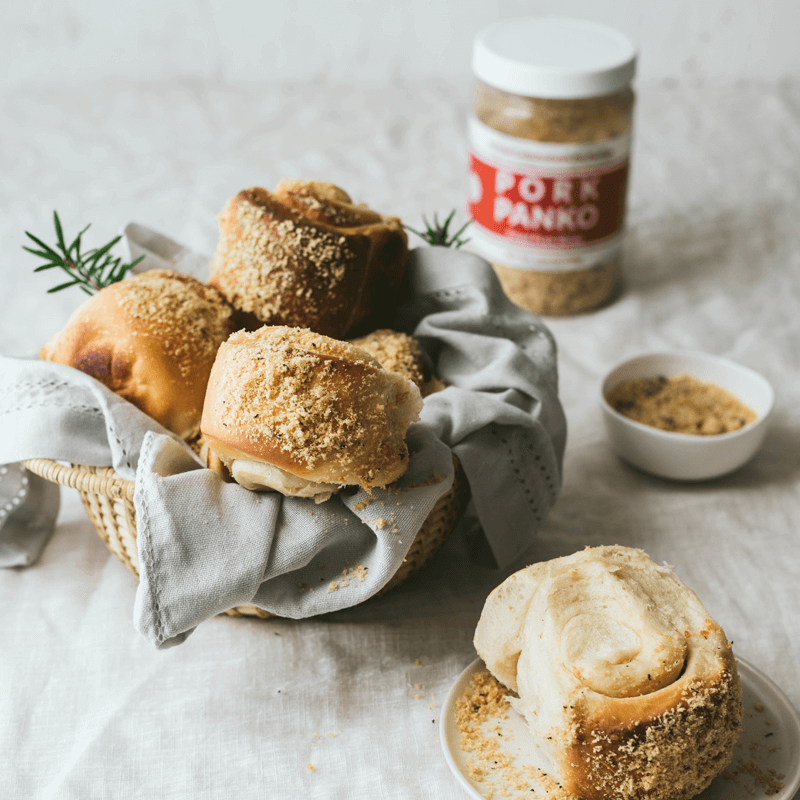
{"points": [[28, 508], [206, 546], [500, 413]]}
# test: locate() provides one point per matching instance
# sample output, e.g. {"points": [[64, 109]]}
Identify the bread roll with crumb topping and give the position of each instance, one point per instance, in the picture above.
{"points": [[151, 338], [623, 677], [306, 256], [397, 352], [304, 414]]}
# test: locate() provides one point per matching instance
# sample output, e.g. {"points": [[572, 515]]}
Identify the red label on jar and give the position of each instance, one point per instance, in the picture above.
{"points": [[558, 210]]}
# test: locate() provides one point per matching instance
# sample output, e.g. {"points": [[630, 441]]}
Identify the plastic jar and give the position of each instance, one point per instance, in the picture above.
{"points": [[549, 140]]}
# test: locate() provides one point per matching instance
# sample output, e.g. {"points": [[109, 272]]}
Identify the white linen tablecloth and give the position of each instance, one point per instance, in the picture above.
{"points": [[348, 705]]}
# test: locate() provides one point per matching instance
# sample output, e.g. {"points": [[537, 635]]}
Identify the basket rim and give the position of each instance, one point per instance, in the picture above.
{"points": [[105, 482]]}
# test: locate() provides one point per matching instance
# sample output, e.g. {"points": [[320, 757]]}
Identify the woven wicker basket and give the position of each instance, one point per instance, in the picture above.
{"points": [[108, 500]]}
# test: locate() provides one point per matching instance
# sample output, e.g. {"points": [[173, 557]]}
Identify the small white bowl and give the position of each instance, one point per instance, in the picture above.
{"points": [[681, 456]]}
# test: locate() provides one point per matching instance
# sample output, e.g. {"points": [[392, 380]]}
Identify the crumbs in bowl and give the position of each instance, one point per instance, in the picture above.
{"points": [[680, 405]]}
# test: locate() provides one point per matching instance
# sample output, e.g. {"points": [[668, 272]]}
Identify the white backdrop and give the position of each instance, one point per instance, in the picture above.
{"points": [[119, 112], [255, 41]]}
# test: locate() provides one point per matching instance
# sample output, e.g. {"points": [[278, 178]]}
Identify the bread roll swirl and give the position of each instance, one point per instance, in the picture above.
{"points": [[622, 675], [613, 639]]}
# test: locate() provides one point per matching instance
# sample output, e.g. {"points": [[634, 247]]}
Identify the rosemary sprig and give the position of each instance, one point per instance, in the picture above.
{"points": [[90, 271], [438, 233]]}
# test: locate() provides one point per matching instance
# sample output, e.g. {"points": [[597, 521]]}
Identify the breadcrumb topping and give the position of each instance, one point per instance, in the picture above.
{"points": [[284, 270], [317, 400], [681, 405], [190, 319], [657, 758], [396, 352], [485, 702]]}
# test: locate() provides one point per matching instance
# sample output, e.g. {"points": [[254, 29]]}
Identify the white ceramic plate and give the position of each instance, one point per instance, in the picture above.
{"points": [[774, 746]]}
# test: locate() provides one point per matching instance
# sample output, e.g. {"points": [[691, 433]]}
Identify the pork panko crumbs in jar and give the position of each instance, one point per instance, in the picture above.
{"points": [[548, 164]]}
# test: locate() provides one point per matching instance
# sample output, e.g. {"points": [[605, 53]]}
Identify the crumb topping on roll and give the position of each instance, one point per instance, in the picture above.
{"points": [[190, 318], [397, 352], [306, 256], [315, 407], [625, 680], [151, 338]]}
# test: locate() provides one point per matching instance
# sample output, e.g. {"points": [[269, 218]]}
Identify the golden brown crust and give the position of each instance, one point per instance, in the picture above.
{"points": [[152, 339], [305, 256], [669, 746], [624, 678], [326, 203], [318, 408]]}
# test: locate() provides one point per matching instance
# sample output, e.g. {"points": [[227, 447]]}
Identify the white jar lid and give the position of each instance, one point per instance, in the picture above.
{"points": [[553, 57]]}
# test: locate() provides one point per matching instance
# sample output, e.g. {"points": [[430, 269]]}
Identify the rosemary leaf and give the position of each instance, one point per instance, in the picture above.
{"points": [[91, 271], [60, 234], [438, 233], [62, 286], [101, 251], [39, 253], [76, 245], [52, 253]]}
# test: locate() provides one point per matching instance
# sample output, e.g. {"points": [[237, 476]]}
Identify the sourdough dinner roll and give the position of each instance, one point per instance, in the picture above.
{"points": [[623, 677], [152, 339], [305, 255], [290, 410]]}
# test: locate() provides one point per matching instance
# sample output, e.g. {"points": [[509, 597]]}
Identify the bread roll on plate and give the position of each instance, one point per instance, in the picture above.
{"points": [[624, 679], [306, 256], [290, 410], [152, 339]]}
